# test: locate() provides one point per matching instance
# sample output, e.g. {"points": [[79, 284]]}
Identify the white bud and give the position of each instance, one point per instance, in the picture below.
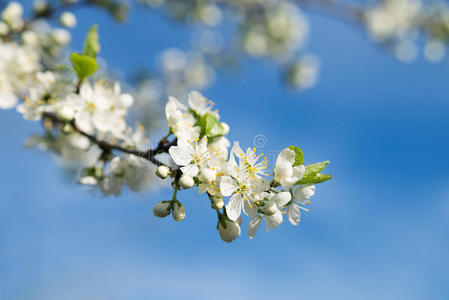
{"points": [[12, 13], [162, 171], [225, 127], [30, 38], [207, 175], [65, 112], [217, 203], [269, 208], [61, 36], [40, 6], [4, 30], [186, 181], [68, 20], [179, 212], [161, 209], [230, 233]]}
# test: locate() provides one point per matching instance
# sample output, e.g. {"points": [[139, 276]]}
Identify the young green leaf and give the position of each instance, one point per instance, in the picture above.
{"points": [[210, 126], [314, 178], [91, 45], [313, 175], [299, 160], [84, 65], [316, 168]]}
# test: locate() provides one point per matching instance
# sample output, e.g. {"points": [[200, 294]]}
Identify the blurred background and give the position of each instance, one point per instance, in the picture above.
{"points": [[378, 230]]}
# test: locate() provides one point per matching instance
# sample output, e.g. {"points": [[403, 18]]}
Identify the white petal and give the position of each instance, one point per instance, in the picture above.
{"points": [[298, 172], [191, 170], [181, 155], [228, 186], [253, 225], [8, 100], [250, 210], [202, 146], [293, 214], [282, 198], [234, 207], [287, 155], [83, 121], [236, 150], [304, 193], [274, 220]]}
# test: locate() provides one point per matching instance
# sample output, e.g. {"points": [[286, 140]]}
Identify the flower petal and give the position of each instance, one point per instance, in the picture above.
{"points": [[234, 207], [298, 172], [304, 193], [181, 155], [282, 198], [293, 214], [228, 186], [253, 225], [191, 170], [274, 220]]}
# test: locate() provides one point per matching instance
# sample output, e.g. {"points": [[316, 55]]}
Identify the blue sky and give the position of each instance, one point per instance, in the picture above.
{"points": [[378, 230]]}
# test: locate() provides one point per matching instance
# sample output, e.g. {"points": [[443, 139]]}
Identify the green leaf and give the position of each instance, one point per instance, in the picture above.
{"points": [[84, 65], [117, 9], [299, 160], [316, 168], [91, 45], [210, 126], [313, 175], [314, 178]]}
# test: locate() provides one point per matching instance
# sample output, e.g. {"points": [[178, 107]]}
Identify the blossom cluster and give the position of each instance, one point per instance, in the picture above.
{"points": [[202, 158], [86, 127], [402, 24], [271, 29]]}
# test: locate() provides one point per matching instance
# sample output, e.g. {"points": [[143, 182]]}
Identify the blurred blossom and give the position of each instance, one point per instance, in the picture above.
{"points": [[406, 51], [392, 19], [435, 50], [304, 72]]}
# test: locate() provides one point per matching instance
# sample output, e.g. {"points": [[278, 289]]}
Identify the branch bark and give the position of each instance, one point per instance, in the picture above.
{"points": [[108, 147]]}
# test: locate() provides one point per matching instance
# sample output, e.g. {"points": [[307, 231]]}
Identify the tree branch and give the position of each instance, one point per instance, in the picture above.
{"points": [[149, 154]]}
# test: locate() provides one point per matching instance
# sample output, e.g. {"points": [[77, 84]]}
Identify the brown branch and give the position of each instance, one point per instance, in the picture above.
{"points": [[107, 147], [348, 12]]}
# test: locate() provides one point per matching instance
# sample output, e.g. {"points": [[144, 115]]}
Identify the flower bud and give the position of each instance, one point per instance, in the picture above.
{"points": [[40, 6], [186, 181], [230, 233], [225, 128], [61, 36], [161, 209], [269, 208], [217, 203], [207, 175], [68, 20], [179, 212], [162, 172], [12, 13], [4, 29], [30, 38]]}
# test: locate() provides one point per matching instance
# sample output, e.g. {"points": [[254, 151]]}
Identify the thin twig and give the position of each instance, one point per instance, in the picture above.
{"points": [[162, 147]]}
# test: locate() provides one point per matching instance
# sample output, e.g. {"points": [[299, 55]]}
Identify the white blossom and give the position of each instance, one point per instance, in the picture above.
{"points": [[100, 108], [68, 19], [301, 198], [284, 172]]}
